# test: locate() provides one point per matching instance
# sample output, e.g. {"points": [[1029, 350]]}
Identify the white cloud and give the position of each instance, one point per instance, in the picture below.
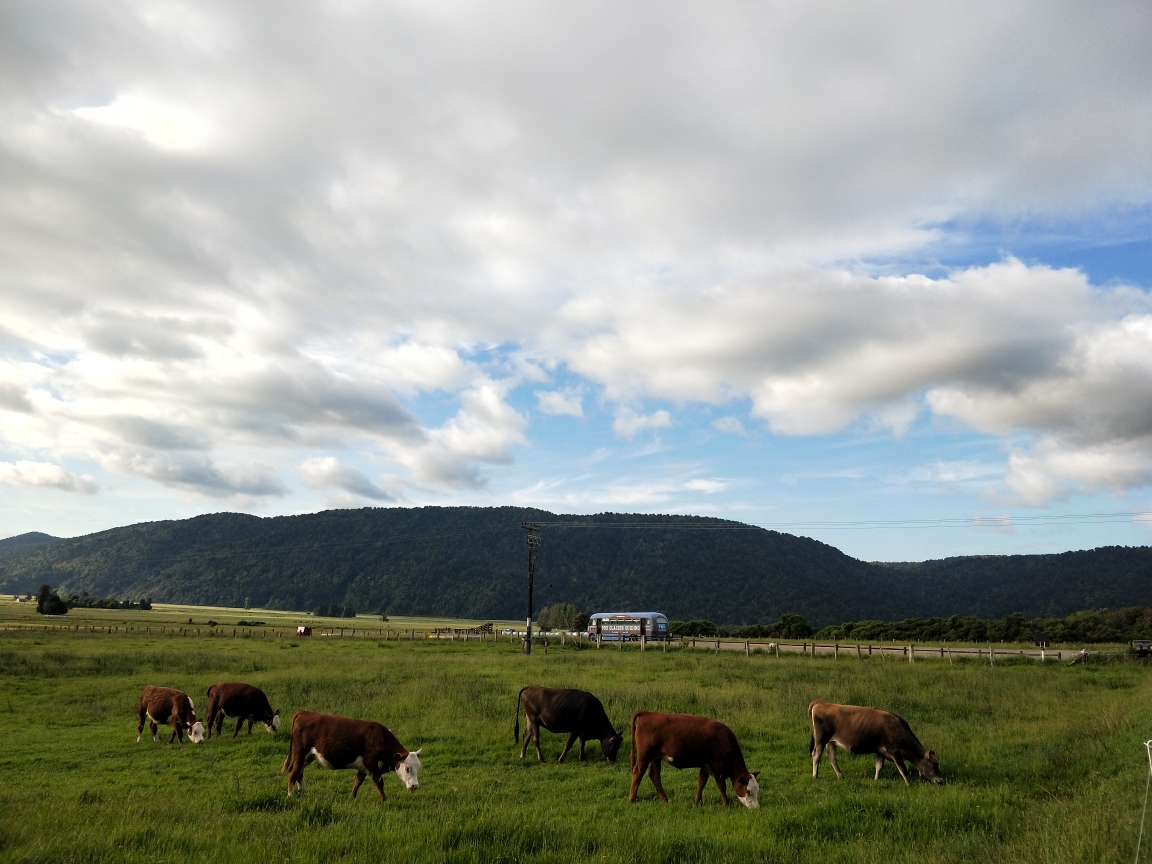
{"points": [[707, 486], [569, 401], [325, 472], [167, 126], [25, 473], [628, 423], [730, 425], [319, 250]]}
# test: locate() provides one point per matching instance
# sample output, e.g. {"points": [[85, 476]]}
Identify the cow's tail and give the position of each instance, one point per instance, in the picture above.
{"points": [[516, 725], [811, 728]]}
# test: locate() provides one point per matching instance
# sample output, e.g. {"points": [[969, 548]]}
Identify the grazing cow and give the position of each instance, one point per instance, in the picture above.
{"points": [[242, 701], [867, 730], [170, 707], [341, 742], [688, 741], [576, 712]]}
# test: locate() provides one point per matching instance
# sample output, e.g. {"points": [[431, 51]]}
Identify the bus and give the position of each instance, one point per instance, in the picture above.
{"points": [[627, 626]]}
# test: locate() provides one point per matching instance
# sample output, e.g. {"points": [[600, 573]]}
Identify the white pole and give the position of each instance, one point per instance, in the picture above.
{"points": [[1140, 837]]}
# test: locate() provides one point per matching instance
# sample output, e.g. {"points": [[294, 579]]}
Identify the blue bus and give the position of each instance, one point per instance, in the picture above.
{"points": [[627, 626]]}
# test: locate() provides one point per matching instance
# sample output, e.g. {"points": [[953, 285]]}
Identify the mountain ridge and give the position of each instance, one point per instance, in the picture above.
{"points": [[471, 562]]}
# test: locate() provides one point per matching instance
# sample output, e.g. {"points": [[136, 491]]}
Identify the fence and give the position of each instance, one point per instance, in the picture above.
{"points": [[485, 633]]}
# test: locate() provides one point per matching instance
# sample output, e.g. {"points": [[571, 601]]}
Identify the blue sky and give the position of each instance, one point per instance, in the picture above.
{"points": [[806, 265]]}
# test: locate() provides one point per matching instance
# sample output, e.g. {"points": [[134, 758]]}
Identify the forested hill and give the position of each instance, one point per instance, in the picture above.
{"points": [[471, 562]]}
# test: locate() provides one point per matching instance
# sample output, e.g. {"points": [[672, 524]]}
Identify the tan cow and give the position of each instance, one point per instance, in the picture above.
{"points": [[170, 707], [858, 730], [688, 741]]}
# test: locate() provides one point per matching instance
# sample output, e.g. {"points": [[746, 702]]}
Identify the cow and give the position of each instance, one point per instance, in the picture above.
{"points": [[342, 742], [688, 741], [576, 712], [172, 708], [242, 701], [858, 730]]}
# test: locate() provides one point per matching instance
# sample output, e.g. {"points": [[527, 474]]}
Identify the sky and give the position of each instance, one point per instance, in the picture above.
{"points": [[879, 274]]}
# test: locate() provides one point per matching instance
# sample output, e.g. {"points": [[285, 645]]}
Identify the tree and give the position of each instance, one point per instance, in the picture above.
{"points": [[48, 602]]}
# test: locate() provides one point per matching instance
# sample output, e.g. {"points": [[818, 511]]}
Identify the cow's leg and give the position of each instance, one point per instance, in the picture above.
{"points": [[140, 727], [360, 775], [654, 776], [903, 771], [722, 784], [638, 768], [176, 730], [701, 782], [295, 769], [155, 731], [251, 720], [379, 781], [535, 731], [568, 746], [879, 765], [830, 749], [239, 724], [220, 717]]}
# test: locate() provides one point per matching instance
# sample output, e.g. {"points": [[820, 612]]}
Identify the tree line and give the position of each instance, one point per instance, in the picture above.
{"points": [[1104, 625], [48, 602]]}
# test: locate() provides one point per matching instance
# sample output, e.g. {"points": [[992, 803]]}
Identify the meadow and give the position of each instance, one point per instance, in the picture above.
{"points": [[1044, 762]]}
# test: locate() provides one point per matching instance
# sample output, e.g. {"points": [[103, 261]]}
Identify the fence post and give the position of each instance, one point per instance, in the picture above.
{"points": [[717, 646], [859, 656], [836, 651], [911, 653], [643, 641], [747, 650], [949, 655], [777, 650], [991, 655]]}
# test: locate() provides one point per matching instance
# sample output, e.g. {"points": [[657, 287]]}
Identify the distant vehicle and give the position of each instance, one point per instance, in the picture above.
{"points": [[303, 631], [627, 626]]}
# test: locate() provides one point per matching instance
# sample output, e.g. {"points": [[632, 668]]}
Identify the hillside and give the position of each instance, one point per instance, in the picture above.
{"points": [[470, 562]]}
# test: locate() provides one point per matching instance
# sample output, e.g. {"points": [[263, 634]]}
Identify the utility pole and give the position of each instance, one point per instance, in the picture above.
{"points": [[533, 548]]}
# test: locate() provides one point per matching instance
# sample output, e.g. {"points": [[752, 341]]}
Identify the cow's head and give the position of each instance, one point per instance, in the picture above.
{"points": [[407, 767], [928, 767], [611, 746], [196, 732], [274, 725], [747, 789]]}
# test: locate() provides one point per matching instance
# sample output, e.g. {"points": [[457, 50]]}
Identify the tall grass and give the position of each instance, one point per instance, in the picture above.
{"points": [[1044, 762]]}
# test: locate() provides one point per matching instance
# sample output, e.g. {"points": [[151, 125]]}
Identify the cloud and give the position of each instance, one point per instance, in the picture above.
{"points": [[708, 487], [628, 423], [25, 473], [228, 243], [570, 402], [731, 425], [199, 474], [325, 472]]}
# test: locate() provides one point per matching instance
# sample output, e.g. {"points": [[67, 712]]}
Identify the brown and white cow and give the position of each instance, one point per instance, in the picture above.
{"points": [[172, 708], [576, 712], [860, 730], [342, 742], [688, 741], [242, 701]]}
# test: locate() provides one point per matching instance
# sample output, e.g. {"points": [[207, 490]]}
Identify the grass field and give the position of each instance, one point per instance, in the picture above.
{"points": [[1045, 763]]}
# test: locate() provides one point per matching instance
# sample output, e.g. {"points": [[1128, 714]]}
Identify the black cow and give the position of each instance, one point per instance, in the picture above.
{"points": [[575, 712]]}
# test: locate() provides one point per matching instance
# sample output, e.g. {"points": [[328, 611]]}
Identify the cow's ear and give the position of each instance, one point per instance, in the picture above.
{"points": [[417, 752], [755, 773], [931, 754], [397, 758], [276, 713]]}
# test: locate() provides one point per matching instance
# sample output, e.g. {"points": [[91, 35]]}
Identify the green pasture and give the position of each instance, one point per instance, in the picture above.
{"points": [[1044, 762]]}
